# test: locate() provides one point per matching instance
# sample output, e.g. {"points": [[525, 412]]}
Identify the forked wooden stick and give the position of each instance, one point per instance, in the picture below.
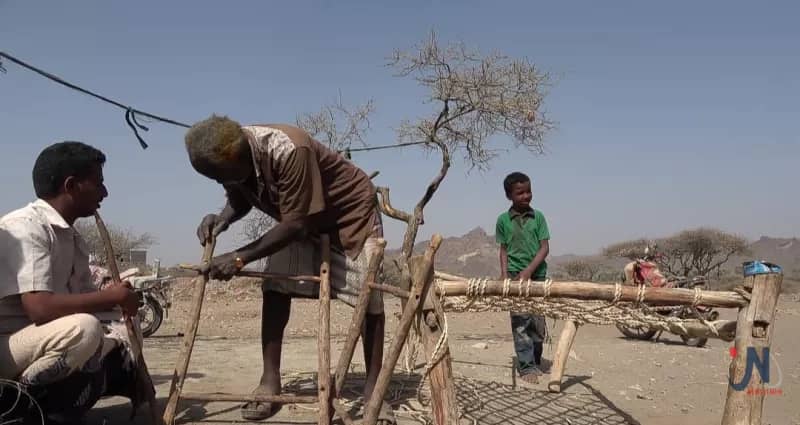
{"points": [[133, 332], [182, 366]]}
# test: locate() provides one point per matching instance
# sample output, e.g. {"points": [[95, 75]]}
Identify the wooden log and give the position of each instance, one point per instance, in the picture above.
{"points": [[756, 322], [401, 293], [179, 375], [324, 335], [354, 331], [605, 292], [262, 398], [134, 334], [561, 355], [423, 278], [444, 401]]}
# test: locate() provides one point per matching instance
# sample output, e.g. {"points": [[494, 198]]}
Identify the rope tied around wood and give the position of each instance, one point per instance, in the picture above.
{"points": [[633, 314]]}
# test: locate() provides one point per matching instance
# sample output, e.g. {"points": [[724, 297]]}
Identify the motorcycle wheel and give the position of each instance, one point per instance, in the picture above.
{"points": [[694, 342], [151, 314], [636, 333], [699, 342]]}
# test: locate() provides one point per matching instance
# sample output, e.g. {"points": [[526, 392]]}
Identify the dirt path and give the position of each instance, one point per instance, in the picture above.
{"points": [[610, 380]]}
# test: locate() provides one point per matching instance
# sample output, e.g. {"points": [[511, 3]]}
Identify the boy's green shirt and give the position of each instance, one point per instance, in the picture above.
{"points": [[521, 234]]}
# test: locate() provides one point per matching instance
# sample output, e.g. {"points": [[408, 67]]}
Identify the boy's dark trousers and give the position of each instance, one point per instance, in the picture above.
{"points": [[529, 331]]}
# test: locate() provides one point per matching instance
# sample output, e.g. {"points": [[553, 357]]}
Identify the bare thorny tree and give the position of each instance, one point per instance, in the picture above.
{"points": [[475, 97]]}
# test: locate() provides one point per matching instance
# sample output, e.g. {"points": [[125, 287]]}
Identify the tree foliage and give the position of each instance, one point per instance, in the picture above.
{"points": [[582, 269], [122, 240], [475, 97], [695, 252]]}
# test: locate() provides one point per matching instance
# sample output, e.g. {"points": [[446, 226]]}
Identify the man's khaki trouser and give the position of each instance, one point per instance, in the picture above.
{"points": [[40, 355]]}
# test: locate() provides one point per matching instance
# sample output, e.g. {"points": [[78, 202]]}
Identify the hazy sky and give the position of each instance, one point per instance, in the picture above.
{"points": [[670, 114]]}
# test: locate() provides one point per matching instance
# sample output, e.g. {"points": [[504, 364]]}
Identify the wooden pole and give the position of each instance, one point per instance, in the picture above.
{"points": [[599, 291], [561, 355], [179, 375], [324, 335], [756, 322], [354, 331], [444, 403], [134, 334], [423, 277], [262, 398]]}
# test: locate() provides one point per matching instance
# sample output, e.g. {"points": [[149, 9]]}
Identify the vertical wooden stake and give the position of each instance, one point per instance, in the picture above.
{"points": [[444, 403], [422, 280], [561, 355], [179, 375], [756, 322], [354, 331], [324, 335]]}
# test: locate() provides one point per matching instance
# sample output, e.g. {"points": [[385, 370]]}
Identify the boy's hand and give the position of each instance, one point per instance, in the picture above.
{"points": [[525, 275]]}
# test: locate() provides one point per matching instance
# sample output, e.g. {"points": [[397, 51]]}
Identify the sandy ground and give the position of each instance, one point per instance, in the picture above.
{"points": [[609, 379]]}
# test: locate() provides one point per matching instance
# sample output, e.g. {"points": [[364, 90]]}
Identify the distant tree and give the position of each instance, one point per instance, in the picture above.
{"points": [[122, 240], [695, 252], [582, 269], [699, 252]]}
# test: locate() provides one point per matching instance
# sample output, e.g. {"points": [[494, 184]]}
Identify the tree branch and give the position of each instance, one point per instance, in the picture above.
{"points": [[386, 207]]}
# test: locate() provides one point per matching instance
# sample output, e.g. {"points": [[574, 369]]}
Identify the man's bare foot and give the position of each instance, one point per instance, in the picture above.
{"points": [[258, 411]]}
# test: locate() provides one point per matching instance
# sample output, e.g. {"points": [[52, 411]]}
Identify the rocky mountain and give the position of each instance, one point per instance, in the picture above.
{"points": [[474, 254]]}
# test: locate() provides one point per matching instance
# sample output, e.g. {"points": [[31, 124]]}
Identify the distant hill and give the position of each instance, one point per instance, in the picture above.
{"points": [[474, 254]]}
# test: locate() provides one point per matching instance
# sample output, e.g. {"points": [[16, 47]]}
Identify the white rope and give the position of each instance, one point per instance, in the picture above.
{"points": [[435, 355], [548, 284], [506, 287], [617, 293], [640, 295], [698, 295]]}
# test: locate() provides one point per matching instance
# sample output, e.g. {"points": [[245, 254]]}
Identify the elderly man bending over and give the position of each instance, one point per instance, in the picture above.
{"points": [[309, 190]]}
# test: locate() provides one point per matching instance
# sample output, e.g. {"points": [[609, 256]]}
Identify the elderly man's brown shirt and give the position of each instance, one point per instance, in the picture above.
{"points": [[299, 177]]}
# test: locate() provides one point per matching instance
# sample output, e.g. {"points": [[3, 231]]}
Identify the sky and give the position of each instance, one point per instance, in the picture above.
{"points": [[669, 115]]}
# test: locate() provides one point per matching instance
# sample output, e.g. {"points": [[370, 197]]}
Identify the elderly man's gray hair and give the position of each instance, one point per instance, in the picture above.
{"points": [[217, 140]]}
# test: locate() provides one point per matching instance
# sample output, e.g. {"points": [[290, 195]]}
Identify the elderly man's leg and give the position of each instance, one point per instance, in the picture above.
{"points": [[274, 317], [372, 334]]}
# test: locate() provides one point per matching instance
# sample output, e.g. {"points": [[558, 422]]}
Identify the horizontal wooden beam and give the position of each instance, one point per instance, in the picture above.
{"points": [[260, 275], [262, 398], [598, 292]]}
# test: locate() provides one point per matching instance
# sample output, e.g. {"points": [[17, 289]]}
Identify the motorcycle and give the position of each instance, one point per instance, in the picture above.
{"points": [[153, 290], [645, 271], [155, 300]]}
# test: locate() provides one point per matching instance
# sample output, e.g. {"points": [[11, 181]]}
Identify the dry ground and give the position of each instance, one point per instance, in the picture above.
{"points": [[609, 379]]}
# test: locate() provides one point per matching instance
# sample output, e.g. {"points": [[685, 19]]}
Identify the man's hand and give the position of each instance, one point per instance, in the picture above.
{"points": [[211, 225], [223, 267], [525, 275], [128, 300]]}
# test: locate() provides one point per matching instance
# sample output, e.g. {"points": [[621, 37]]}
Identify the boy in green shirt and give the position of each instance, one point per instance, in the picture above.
{"points": [[524, 244]]}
